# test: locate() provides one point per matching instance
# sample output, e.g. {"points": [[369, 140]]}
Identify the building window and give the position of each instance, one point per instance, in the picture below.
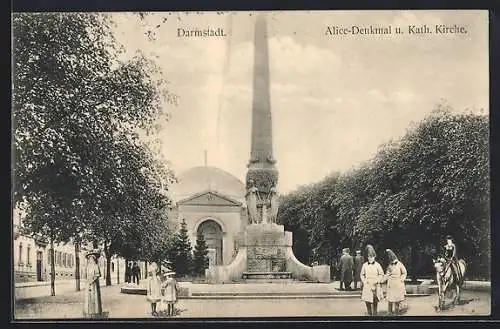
{"points": [[20, 260], [58, 258], [28, 255]]}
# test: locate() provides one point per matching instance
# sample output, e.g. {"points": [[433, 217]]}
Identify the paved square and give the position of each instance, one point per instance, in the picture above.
{"points": [[68, 305]]}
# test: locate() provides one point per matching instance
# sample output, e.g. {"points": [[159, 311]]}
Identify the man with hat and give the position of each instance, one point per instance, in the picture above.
{"points": [[358, 263], [396, 275], [346, 269]]}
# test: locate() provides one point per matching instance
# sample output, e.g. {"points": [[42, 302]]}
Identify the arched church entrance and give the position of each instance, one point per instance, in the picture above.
{"points": [[212, 233]]}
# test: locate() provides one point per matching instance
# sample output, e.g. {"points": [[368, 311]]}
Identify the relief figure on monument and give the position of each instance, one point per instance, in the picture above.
{"points": [[251, 199], [273, 200]]}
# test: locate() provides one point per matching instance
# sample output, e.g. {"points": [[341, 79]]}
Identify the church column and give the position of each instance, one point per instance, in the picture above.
{"points": [[226, 249]]}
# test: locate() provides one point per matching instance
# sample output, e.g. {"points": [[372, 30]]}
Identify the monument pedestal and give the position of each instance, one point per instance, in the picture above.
{"points": [[265, 255]]}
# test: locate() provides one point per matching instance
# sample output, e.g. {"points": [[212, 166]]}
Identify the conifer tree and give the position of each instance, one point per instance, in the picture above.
{"points": [[200, 261], [181, 252]]}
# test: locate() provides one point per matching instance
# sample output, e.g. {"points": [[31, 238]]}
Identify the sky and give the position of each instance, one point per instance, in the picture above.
{"points": [[334, 99]]}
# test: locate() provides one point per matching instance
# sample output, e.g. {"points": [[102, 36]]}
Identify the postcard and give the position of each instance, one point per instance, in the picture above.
{"points": [[250, 164]]}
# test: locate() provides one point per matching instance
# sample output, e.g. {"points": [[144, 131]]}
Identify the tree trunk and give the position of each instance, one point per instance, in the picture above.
{"points": [[52, 268], [414, 264], [108, 268], [145, 269], [77, 265], [117, 271], [126, 265]]}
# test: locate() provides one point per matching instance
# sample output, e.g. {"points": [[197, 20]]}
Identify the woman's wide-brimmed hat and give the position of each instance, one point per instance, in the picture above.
{"points": [[370, 251], [153, 268], [391, 254], [171, 273], [449, 237], [93, 252]]}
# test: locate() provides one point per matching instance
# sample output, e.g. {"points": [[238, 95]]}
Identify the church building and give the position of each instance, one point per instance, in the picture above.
{"points": [[212, 202]]}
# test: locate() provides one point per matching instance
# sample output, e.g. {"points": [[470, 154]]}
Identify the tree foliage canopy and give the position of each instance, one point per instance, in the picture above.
{"points": [[432, 182], [78, 113]]}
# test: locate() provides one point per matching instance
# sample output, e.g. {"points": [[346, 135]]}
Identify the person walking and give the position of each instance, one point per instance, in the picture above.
{"points": [[171, 292], [128, 272], [136, 273], [153, 294], [371, 275], [358, 263], [396, 275], [346, 269]]}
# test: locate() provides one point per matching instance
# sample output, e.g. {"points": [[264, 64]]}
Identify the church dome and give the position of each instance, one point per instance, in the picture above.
{"points": [[205, 178]]}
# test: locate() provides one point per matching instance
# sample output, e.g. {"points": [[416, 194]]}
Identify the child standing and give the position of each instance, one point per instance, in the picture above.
{"points": [[171, 292], [153, 288], [371, 276], [396, 275]]}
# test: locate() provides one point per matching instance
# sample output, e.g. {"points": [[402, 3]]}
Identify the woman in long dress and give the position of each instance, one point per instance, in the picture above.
{"points": [[372, 275], [396, 275], [273, 194], [92, 300], [171, 292], [450, 254], [153, 288], [252, 202]]}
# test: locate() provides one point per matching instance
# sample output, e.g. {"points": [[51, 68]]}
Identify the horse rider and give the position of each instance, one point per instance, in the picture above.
{"points": [[450, 254]]}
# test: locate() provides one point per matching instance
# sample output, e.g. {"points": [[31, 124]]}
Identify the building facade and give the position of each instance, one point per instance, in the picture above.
{"points": [[31, 258], [211, 202]]}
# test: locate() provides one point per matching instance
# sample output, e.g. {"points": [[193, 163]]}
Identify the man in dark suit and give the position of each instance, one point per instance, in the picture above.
{"points": [[358, 264], [136, 273], [346, 269], [128, 272]]}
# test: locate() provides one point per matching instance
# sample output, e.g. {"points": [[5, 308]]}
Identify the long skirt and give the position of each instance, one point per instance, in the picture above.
{"points": [[92, 301]]}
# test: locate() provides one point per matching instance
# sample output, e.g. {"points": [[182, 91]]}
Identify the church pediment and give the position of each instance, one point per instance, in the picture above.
{"points": [[209, 198]]}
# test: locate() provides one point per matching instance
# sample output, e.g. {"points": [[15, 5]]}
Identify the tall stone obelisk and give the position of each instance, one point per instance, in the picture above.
{"points": [[265, 251], [262, 172]]}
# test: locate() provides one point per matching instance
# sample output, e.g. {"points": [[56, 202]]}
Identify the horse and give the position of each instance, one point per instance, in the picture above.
{"points": [[446, 280]]}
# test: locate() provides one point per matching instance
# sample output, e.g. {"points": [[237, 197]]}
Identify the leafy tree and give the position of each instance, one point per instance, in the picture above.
{"points": [[181, 251], [431, 182], [77, 110], [200, 258]]}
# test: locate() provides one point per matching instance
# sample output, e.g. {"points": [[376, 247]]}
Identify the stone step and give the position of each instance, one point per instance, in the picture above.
{"points": [[275, 297], [284, 293], [267, 276], [288, 296], [265, 280]]}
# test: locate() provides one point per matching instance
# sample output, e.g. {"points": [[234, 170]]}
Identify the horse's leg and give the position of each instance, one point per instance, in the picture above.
{"points": [[439, 291], [444, 287], [458, 294]]}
